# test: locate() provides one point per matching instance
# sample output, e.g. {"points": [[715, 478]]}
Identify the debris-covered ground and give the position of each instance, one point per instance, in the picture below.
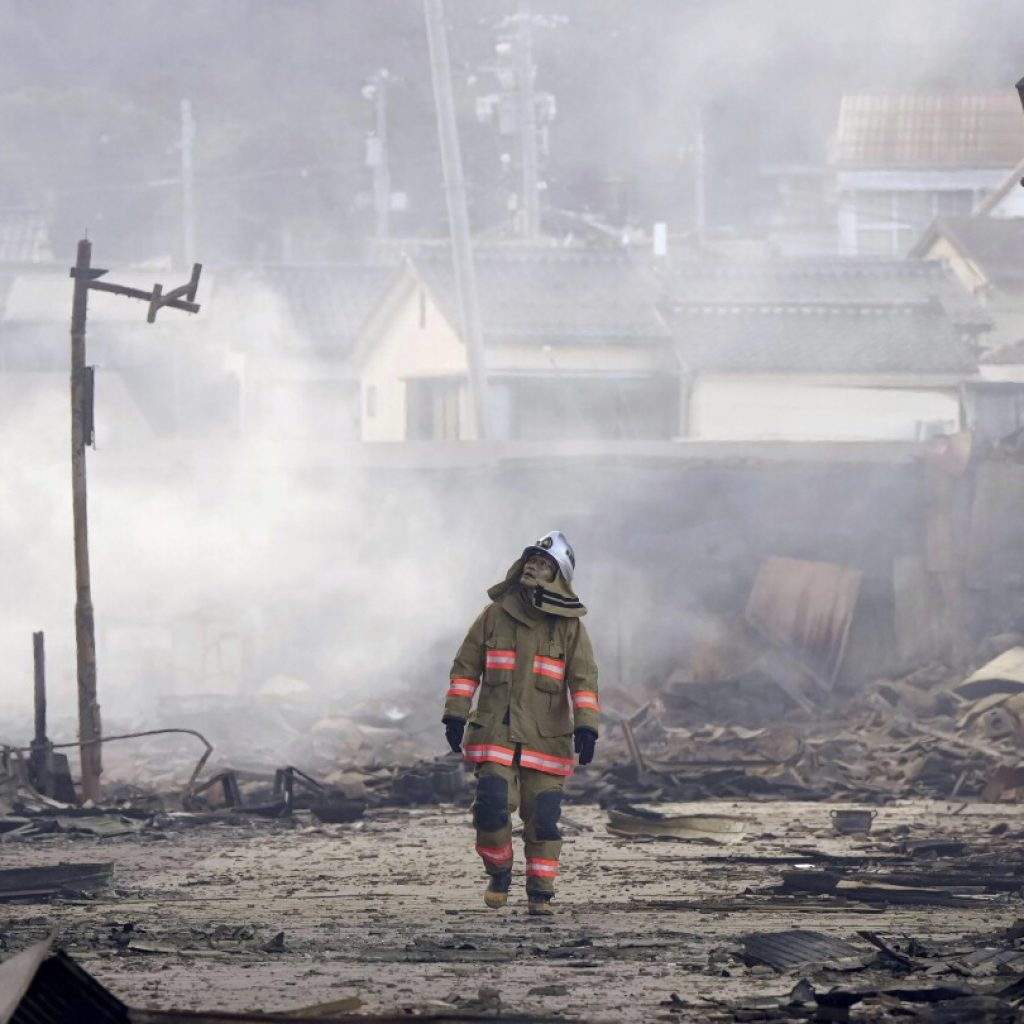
{"points": [[751, 845], [385, 914]]}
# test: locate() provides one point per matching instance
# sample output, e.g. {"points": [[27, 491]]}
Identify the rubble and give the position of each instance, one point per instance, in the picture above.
{"points": [[633, 820], [40, 883], [932, 733], [795, 948]]}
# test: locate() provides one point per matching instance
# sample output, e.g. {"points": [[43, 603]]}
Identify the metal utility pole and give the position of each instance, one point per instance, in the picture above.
{"points": [[188, 216], [699, 179], [530, 223], [458, 213], [377, 152], [86, 277]]}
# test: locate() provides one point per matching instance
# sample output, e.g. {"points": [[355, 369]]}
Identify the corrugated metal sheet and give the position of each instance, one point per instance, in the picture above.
{"points": [[786, 950], [930, 131], [16, 975], [54, 990], [806, 608]]}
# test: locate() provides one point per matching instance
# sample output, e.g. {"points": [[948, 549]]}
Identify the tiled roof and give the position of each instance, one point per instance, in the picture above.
{"points": [[921, 132], [329, 303], [824, 316], [555, 295], [814, 279], [994, 244], [826, 339]]}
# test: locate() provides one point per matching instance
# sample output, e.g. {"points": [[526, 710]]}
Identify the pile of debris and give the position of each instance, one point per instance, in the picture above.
{"points": [[758, 711], [930, 734]]}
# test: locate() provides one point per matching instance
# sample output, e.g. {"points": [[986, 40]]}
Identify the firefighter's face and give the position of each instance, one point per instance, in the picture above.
{"points": [[538, 569]]}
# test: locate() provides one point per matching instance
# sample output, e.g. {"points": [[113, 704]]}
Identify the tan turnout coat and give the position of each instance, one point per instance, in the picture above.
{"points": [[537, 681]]}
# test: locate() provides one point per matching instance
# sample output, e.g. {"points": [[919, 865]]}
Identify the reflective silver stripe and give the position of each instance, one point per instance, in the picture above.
{"points": [[553, 766], [505, 853], [485, 753], [548, 667], [541, 869]]}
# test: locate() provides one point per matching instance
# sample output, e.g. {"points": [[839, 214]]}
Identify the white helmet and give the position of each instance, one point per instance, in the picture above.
{"points": [[555, 546]]}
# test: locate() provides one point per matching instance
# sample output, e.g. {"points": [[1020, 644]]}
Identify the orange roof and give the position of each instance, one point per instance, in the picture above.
{"points": [[925, 132]]}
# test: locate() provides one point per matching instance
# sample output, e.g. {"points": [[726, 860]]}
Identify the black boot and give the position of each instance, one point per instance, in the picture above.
{"points": [[496, 893], [539, 903]]}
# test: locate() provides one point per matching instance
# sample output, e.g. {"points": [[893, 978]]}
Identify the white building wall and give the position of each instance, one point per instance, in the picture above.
{"points": [[418, 342], [781, 409]]}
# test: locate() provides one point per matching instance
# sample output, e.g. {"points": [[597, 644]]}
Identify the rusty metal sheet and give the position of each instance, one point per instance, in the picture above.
{"points": [[806, 609]]}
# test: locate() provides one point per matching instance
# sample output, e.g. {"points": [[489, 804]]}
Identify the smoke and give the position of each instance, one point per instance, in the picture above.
{"points": [[228, 557]]}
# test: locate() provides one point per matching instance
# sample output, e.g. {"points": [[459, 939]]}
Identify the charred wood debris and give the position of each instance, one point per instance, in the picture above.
{"points": [[768, 722]]}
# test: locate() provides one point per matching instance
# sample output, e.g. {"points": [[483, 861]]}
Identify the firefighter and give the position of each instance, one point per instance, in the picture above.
{"points": [[529, 658]]}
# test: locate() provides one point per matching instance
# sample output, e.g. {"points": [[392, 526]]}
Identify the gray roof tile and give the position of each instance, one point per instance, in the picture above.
{"points": [[840, 315], [555, 295], [330, 303]]}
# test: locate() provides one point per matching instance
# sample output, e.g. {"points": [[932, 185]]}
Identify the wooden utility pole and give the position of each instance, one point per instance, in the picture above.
{"points": [[90, 732], [41, 751], [458, 213], [525, 70], [89, 729]]}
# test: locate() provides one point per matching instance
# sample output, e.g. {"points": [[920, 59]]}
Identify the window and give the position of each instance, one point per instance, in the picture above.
{"points": [[889, 223]]}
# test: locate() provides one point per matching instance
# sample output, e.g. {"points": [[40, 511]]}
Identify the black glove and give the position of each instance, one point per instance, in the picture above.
{"points": [[454, 727], [584, 740]]}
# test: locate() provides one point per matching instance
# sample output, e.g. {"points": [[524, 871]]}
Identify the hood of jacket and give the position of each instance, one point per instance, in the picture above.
{"points": [[556, 598]]}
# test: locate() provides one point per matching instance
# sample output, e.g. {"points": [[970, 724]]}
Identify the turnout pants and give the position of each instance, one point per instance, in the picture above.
{"points": [[537, 796]]}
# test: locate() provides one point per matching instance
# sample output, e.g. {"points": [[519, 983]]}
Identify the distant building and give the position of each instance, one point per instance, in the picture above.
{"points": [[289, 333], [575, 346], [823, 349], [903, 161], [995, 399], [24, 238], [986, 254]]}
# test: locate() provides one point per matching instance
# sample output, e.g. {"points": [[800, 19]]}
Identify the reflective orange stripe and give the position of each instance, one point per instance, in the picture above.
{"points": [[500, 659], [585, 699], [496, 856], [544, 868], [546, 763], [480, 752], [462, 687], [550, 667]]}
